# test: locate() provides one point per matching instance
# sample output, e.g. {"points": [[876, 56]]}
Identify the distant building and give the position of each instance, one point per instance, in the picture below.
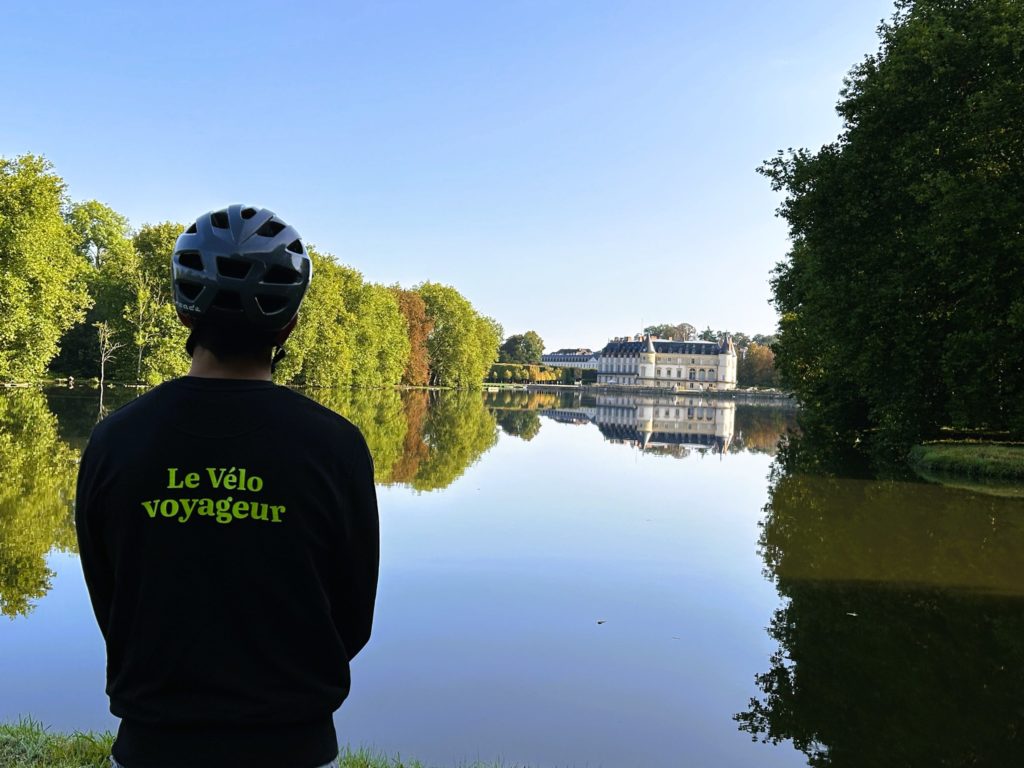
{"points": [[571, 358], [673, 365]]}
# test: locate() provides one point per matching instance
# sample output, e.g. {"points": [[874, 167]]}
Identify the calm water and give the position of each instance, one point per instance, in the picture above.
{"points": [[600, 582]]}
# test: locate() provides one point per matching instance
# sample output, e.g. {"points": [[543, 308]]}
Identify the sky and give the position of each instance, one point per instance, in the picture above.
{"points": [[582, 169]]}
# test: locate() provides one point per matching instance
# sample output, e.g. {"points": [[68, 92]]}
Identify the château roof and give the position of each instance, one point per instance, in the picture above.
{"points": [[663, 346]]}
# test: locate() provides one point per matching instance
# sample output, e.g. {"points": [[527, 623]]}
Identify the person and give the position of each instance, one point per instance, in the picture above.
{"points": [[228, 527]]}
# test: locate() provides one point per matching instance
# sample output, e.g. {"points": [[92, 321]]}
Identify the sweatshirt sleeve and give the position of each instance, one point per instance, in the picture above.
{"points": [[357, 592], [95, 560]]}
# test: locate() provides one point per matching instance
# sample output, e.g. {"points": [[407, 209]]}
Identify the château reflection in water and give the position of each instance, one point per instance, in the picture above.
{"points": [[420, 439], [901, 627]]}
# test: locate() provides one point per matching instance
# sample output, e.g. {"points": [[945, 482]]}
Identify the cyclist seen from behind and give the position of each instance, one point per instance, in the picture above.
{"points": [[228, 527]]}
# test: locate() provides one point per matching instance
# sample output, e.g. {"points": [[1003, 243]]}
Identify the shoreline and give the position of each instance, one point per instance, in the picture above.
{"points": [[961, 459]]}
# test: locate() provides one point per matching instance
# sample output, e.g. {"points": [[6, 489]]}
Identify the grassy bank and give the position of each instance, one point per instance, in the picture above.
{"points": [[996, 461], [27, 744]]}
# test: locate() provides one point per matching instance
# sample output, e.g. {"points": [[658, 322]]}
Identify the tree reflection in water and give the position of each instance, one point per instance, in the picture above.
{"points": [[35, 498], [424, 440], [901, 634]]}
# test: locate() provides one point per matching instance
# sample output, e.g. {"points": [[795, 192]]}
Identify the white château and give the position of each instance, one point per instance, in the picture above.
{"points": [[673, 365]]}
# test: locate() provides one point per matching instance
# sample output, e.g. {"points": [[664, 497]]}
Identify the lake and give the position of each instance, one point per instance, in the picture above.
{"points": [[599, 580]]}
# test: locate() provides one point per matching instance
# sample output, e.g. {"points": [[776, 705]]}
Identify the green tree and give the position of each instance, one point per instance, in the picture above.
{"points": [[43, 278], [321, 352], [381, 337], [680, 332], [463, 344], [157, 333], [756, 367], [522, 348], [902, 298]]}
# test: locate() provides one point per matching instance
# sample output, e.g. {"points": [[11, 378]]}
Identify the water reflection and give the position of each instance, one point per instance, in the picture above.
{"points": [[668, 425], [38, 477], [423, 440], [901, 633]]}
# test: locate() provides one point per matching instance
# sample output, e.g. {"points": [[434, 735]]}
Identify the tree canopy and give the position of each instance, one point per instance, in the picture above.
{"points": [[526, 348], [43, 272], [78, 285], [902, 298]]}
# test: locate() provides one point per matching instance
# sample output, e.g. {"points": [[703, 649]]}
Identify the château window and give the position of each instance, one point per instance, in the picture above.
{"points": [[693, 376]]}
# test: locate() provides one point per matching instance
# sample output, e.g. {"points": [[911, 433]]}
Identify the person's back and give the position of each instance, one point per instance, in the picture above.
{"points": [[229, 536]]}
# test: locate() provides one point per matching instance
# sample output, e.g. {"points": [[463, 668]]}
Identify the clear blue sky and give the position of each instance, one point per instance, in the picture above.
{"points": [[576, 168]]}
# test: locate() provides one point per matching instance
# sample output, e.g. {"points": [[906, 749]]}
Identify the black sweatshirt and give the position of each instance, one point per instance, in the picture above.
{"points": [[228, 532]]}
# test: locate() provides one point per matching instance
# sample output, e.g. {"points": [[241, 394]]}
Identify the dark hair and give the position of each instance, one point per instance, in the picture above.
{"points": [[227, 342]]}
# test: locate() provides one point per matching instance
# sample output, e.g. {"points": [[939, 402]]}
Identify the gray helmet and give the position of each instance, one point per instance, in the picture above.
{"points": [[240, 265]]}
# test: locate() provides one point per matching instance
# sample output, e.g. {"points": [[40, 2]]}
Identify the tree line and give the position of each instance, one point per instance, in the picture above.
{"points": [[902, 296], [83, 294]]}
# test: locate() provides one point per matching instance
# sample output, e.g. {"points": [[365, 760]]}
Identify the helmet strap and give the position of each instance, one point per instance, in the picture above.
{"points": [[279, 354]]}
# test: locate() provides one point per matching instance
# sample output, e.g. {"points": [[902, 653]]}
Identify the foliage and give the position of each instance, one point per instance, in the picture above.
{"points": [[756, 367], [35, 498], [158, 335], [505, 373], [42, 276], [902, 298], [463, 344], [419, 326], [67, 270], [524, 348], [680, 332]]}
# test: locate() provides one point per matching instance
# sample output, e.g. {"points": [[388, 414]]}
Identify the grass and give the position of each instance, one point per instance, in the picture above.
{"points": [[29, 744], [997, 461]]}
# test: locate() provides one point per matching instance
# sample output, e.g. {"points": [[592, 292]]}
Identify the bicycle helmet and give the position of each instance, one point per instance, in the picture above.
{"points": [[240, 265]]}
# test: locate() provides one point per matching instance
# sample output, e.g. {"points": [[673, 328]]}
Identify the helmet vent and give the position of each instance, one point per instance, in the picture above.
{"points": [[271, 304], [233, 268], [295, 246], [191, 259], [281, 275], [248, 213], [219, 219], [190, 290], [191, 229], [271, 229], [229, 300]]}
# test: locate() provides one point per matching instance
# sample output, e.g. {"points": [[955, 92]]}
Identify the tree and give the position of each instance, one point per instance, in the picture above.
{"points": [[156, 331], [320, 350], [522, 348], [902, 297], [43, 288], [108, 347], [463, 344], [419, 326], [680, 332], [756, 367]]}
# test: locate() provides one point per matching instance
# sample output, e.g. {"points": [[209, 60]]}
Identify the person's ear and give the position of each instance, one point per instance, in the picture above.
{"points": [[284, 333], [185, 319]]}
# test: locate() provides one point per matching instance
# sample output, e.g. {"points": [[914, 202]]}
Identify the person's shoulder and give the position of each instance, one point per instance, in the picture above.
{"points": [[126, 416], [322, 416]]}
